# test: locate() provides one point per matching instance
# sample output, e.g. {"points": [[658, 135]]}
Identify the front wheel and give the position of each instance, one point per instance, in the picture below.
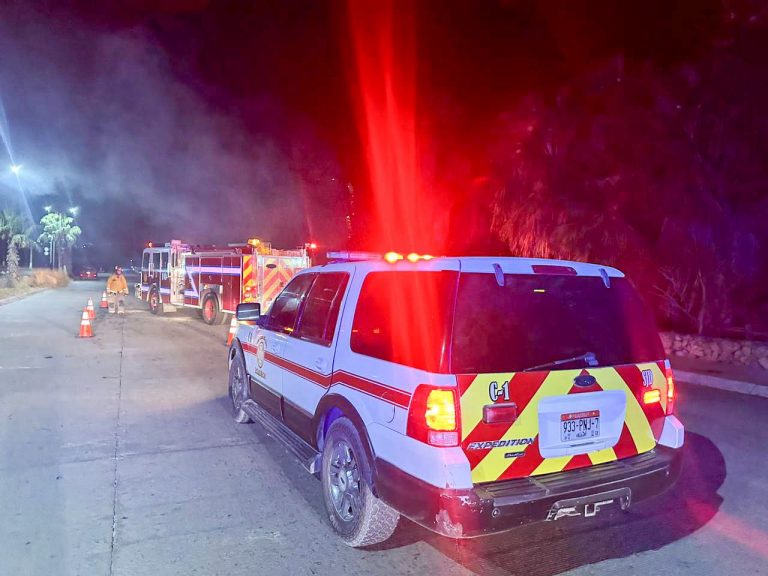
{"points": [[355, 513], [212, 314], [238, 388]]}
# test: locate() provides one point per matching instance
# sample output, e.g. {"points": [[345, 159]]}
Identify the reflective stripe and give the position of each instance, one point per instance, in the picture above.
{"points": [[225, 270], [526, 389]]}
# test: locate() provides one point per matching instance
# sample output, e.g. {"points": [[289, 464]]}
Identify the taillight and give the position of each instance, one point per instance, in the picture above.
{"points": [[670, 389], [433, 416]]}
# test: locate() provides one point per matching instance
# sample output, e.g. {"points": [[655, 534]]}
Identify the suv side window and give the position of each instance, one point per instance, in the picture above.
{"points": [[282, 315], [405, 317], [321, 311]]}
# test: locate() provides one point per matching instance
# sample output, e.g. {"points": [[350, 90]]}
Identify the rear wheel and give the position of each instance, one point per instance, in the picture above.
{"points": [[155, 303], [238, 388], [212, 314], [355, 513]]}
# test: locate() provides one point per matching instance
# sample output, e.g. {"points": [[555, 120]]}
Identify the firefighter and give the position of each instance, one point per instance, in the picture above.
{"points": [[117, 289]]}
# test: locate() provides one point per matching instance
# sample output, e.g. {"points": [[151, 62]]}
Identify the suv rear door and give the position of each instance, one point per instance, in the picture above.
{"points": [[524, 415]]}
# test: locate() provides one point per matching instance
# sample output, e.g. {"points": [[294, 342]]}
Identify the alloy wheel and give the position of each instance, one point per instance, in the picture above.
{"points": [[344, 482]]}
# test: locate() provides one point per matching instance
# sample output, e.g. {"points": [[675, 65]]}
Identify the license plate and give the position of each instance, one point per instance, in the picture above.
{"points": [[579, 425]]}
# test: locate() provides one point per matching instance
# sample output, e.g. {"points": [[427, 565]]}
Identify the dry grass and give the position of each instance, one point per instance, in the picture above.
{"points": [[44, 278], [37, 279]]}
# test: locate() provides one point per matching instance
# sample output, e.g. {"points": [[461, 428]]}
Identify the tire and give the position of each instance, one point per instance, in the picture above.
{"points": [[155, 302], [211, 311], [357, 516], [238, 388]]}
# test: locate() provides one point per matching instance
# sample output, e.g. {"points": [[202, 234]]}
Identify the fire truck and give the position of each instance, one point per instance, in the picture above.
{"points": [[214, 280]]}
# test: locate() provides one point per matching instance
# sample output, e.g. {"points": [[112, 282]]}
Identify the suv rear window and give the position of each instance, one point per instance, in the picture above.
{"points": [[535, 319], [404, 317]]}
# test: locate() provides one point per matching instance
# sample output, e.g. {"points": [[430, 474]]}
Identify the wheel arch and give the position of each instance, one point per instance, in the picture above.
{"points": [[332, 407], [204, 294], [234, 349]]}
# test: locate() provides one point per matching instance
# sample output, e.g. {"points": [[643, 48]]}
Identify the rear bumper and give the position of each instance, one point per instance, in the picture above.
{"points": [[499, 506]]}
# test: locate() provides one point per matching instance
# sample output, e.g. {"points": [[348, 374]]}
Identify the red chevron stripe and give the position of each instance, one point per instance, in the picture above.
{"points": [[525, 465], [579, 461], [626, 444], [522, 388]]}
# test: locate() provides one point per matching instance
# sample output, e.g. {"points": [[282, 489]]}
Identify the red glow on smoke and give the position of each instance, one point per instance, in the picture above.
{"points": [[384, 60], [384, 92]]}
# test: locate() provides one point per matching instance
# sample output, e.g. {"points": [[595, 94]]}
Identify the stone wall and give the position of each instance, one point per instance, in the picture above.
{"points": [[739, 352]]}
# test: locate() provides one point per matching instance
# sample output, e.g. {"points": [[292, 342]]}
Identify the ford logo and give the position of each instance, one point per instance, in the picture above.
{"points": [[585, 381]]}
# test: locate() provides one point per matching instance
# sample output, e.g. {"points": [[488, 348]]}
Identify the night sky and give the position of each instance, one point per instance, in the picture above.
{"points": [[217, 121]]}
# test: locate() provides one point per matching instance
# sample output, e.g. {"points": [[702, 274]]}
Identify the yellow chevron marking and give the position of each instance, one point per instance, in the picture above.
{"points": [[474, 398], [526, 426], [550, 465], [602, 456], [635, 417]]}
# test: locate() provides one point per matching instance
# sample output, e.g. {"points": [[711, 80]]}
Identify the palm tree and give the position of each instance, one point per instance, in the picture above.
{"points": [[13, 233], [60, 231]]}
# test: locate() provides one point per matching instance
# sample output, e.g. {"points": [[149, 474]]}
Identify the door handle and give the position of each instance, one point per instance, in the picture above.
{"points": [[320, 364]]}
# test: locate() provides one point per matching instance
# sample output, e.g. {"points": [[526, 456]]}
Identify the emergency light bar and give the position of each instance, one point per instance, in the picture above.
{"points": [[390, 257], [347, 256]]}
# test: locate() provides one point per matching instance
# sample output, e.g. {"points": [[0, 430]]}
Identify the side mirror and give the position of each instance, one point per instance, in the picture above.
{"points": [[248, 311]]}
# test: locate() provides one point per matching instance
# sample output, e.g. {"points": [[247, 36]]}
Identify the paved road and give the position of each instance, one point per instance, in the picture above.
{"points": [[118, 456]]}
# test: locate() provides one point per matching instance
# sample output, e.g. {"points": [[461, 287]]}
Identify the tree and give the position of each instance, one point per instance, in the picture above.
{"points": [[658, 171], [13, 233], [61, 233]]}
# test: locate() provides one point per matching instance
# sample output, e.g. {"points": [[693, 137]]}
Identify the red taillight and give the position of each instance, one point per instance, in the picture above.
{"points": [[433, 416], [500, 413], [670, 390]]}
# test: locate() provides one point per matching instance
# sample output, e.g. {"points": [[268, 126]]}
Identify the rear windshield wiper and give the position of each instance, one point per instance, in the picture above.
{"points": [[588, 357]]}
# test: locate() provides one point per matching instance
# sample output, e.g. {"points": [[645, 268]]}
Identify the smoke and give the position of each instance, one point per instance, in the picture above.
{"points": [[106, 119]]}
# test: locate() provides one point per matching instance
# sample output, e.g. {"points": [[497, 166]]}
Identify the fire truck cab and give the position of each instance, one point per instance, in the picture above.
{"points": [[214, 280]]}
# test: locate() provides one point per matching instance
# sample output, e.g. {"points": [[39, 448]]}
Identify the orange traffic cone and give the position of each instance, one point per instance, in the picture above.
{"points": [[232, 331], [104, 303], [91, 310], [85, 325]]}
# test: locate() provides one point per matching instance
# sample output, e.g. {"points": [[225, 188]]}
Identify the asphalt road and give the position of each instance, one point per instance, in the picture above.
{"points": [[118, 456]]}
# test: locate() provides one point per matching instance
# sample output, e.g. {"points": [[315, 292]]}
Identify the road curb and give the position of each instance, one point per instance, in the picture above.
{"points": [[10, 299], [721, 383]]}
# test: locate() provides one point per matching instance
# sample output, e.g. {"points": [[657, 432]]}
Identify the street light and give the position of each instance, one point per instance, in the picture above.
{"points": [[16, 168]]}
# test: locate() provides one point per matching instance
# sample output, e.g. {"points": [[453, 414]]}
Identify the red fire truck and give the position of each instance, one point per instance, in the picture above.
{"points": [[213, 279]]}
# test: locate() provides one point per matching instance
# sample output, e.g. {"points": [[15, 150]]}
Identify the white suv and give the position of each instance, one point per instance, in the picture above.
{"points": [[470, 395]]}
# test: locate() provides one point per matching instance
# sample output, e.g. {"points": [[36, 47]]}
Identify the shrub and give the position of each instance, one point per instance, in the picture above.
{"points": [[44, 278]]}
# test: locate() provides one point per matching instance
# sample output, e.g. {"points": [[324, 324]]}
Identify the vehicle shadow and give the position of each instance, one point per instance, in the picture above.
{"points": [[552, 548]]}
